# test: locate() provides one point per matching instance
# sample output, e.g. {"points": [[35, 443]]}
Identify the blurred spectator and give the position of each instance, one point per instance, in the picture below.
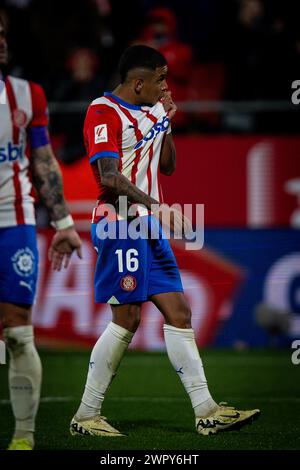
{"points": [[261, 62], [81, 83], [246, 46], [115, 30], [160, 32], [103, 7], [238, 50]]}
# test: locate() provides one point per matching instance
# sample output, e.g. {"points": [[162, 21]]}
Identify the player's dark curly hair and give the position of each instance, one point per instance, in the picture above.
{"points": [[139, 56]]}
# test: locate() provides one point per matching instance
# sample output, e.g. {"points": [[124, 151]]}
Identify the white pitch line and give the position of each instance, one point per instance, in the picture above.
{"points": [[237, 361], [230, 399], [166, 399], [45, 400]]}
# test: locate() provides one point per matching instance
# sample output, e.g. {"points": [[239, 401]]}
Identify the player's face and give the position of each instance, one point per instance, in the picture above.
{"points": [[155, 85], [3, 46]]}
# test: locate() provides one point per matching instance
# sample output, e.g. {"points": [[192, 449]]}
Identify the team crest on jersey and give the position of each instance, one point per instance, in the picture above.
{"points": [[24, 262], [128, 283], [19, 118], [100, 133]]}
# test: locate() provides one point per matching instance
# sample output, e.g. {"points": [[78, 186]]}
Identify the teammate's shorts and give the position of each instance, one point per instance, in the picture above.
{"points": [[129, 270], [18, 264]]}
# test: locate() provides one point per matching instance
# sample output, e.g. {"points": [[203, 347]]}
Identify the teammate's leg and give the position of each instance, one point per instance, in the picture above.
{"points": [[182, 350], [25, 371], [104, 362]]}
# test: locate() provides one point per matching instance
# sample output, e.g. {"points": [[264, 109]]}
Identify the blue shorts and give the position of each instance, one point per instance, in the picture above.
{"points": [[129, 270], [18, 264]]}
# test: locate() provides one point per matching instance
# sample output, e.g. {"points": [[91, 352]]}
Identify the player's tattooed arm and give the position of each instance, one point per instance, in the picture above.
{"points": [[47, 181], [167, 162], [114, 180]]}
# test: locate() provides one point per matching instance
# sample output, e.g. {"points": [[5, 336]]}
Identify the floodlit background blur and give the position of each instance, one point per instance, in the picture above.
{"points": [[232, 71]]}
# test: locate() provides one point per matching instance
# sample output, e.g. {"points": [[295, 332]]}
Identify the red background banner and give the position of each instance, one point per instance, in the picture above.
{"points": [[242, 181]]}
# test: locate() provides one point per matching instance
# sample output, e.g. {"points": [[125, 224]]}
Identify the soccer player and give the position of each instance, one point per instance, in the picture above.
{"points": [[128, 140], [26, 159]]}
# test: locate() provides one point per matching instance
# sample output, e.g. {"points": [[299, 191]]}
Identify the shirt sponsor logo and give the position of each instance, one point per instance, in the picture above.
{"points": [[159, 127], [11, 153], [100, 133]]}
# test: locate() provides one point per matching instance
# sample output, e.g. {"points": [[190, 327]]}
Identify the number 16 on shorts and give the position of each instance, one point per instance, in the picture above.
{"points": [[129, 259]]}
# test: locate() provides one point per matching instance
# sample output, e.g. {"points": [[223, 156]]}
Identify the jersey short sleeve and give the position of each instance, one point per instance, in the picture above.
{"points": [[102, 129], [39, 106]]}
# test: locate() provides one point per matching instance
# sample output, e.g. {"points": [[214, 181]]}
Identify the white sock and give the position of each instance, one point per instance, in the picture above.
{"points": [[184, 356], [104, 362], [25, 375]]}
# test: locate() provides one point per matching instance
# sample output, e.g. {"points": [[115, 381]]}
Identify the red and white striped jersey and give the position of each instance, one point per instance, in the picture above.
{"points": [[132, 134], [22, 106]]}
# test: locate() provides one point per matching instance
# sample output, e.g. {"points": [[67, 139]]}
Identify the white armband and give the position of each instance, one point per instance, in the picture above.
{"points": [[64, 223], [169, 130]]}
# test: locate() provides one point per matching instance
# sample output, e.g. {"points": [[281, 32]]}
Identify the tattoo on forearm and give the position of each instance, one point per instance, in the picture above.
{"points": [[48, 182], [121, 185]]}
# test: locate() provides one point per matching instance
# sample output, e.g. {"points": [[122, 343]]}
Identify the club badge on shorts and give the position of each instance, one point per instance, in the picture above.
{"points": [[24, 262], [128, 283]]}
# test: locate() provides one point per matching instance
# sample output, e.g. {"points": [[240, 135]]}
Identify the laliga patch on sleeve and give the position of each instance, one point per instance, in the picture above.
{"points": [[100, 133]]}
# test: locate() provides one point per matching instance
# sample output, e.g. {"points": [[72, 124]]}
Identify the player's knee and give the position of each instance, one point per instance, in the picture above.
{"points": [[186, 317], [11, 319], [18, 319], [182, 318], [133, 318], [16, 339], [129, 317]]}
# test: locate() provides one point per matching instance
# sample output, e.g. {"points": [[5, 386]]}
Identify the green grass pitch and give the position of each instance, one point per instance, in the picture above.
{"points": [[148, 403]]}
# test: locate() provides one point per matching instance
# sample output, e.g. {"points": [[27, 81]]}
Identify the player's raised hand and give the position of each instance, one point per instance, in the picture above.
{"points": [[62, 246], [168, 104]]}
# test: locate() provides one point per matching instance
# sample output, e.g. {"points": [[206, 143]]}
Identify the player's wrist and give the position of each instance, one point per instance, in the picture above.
{"points": [[64, 223]]}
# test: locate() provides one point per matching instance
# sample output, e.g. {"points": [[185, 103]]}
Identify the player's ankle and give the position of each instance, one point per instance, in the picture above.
{"points": [[21, 434], [84, 412], [206, 408]]}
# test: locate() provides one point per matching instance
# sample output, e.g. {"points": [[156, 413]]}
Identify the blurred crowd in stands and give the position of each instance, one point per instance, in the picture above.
{"points": [[217, 50]]}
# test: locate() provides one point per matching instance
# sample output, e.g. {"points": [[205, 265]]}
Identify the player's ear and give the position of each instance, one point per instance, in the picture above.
{"points": [[138, 85]]}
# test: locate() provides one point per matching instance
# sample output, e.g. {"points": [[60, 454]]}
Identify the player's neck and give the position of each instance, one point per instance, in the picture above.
{"points": [[126, 94]]}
